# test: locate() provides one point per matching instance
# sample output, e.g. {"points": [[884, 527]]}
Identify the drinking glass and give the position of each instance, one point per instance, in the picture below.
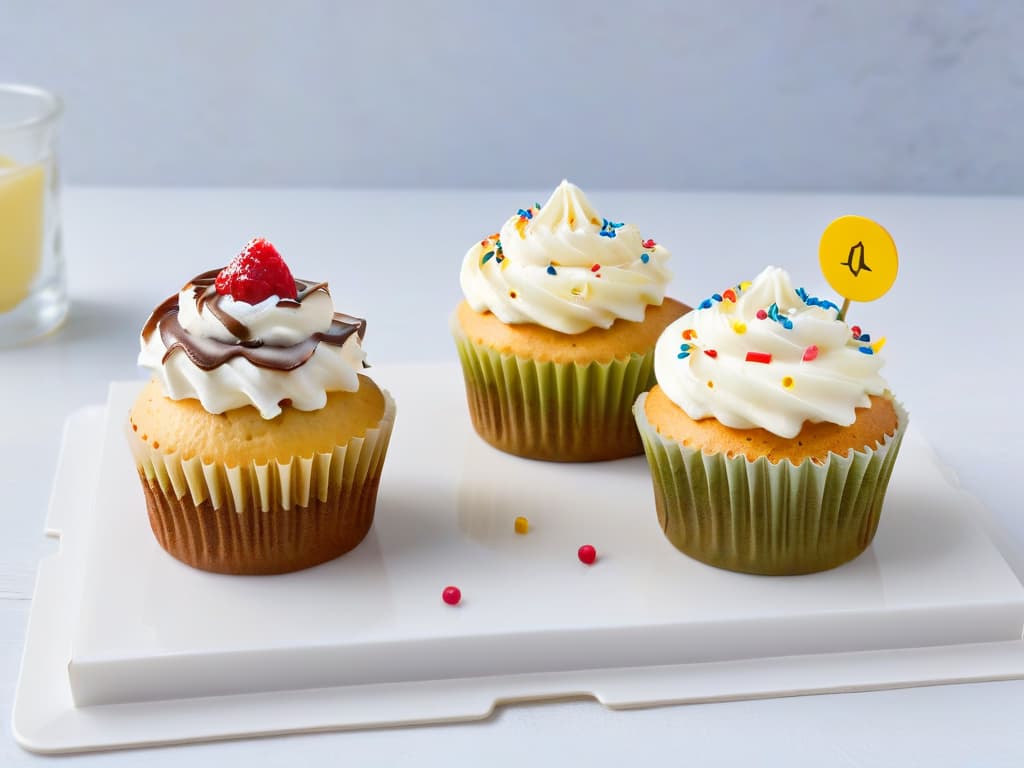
{"points": [[33, 293]]}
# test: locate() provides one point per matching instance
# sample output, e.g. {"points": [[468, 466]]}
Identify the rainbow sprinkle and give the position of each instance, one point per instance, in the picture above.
{"points": [[525, 215], [608, 228], [814, 301], [495, 252], [773, 313]]}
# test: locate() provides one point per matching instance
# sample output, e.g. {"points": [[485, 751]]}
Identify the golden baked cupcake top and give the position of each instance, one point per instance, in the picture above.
{"points": [[763, 354], [251, 334], [565, 267]]}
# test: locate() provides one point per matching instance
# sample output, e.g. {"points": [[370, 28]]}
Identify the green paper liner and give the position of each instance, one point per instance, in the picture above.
{"points": [[554, 411], [773, 519], [274, 517]]}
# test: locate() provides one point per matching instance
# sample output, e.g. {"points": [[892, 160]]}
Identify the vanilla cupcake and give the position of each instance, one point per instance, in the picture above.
{"points": [[258, 441], [556, 334], [771, 435]]}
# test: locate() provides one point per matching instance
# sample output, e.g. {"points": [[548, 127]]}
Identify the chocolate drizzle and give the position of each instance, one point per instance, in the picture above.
{"points": [[207, 353]]}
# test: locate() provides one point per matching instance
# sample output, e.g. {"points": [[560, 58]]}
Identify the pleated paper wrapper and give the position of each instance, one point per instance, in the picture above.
{"points": [[765, 518], [554, 411], [264, 518]]}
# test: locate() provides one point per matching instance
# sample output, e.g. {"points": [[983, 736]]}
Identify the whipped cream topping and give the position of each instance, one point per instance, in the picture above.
{"points": [[228, 354], [764, 354], [565, 267]]}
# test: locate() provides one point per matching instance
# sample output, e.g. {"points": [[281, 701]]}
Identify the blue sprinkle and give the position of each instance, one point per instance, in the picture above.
{"points": [[773, 311], [716, 296], [500, 259], [525, 213], [864, 337], [867, 350], [551, 270], [684, 347], [683, 355], [706, 304], [787, 323], [607, 233], [487, 257], [802, 294], [645, 257]]}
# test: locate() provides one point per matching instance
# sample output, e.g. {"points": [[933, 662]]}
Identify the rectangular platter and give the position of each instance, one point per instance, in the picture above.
{"points": [[122, 636]]}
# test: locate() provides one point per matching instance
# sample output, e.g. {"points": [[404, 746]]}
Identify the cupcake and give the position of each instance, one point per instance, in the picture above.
{"points": [[258, 441], [556, 334], [770, 435]]}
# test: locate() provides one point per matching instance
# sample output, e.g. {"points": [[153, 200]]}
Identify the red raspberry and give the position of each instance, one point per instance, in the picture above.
{"points": [[255, 274]]}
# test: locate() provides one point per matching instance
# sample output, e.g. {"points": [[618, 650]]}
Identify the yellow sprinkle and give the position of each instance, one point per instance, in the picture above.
{"points": [[522, 525], [878, 345], [504, 262], [739, 327], [711, 385], [744, 285], [787, 382]]}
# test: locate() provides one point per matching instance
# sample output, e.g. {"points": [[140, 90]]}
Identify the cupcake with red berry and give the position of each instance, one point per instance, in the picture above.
{"points": [[258, 440], [556, 334], [771, 435]]}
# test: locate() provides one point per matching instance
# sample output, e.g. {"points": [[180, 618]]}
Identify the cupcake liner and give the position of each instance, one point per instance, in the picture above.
{"points": [[759, 517], [554, 411], [264, 518]]}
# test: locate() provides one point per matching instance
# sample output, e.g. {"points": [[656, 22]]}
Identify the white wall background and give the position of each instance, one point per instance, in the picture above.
{"points": [[886, 95]]}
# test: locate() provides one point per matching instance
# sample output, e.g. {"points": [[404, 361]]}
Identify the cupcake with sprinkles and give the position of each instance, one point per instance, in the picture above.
{"points": [[771, 435], [556, 334], [258, 440]]}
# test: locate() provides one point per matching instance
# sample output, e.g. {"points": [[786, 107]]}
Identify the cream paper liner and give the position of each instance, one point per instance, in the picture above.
{"points": [[271, 485], [759, 517], [554, 411]]}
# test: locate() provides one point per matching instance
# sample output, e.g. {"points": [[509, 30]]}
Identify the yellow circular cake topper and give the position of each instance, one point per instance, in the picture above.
{"points": [[858, 258]]}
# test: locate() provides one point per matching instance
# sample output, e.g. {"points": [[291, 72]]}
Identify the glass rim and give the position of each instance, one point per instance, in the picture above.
{"points": [[53, 106]]}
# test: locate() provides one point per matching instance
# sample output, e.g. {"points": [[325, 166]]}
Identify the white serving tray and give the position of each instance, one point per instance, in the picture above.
{"points": [[155, 652]]}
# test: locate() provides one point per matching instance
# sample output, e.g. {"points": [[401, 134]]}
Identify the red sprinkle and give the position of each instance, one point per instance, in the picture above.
{"points": [[761, 314], [711, 352], [595, 268], [855, 330], [451, 595], [759, 357], [587, 554], [810, 353], [648, 243], [729, 294]]}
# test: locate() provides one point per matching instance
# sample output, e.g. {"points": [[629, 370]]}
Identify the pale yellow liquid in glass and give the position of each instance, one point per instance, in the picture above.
{"points": [[21, 230]]}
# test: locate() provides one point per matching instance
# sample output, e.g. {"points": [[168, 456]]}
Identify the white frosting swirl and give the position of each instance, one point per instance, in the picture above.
{"points": [[565, 267], [819, 372], [238, 382]]}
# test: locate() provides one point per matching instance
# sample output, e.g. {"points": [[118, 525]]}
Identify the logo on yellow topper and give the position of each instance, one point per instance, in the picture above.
{"points": [[858, 258]]}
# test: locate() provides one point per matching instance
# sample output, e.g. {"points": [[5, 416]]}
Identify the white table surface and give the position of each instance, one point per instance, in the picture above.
{"points": [[393, 257]]}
